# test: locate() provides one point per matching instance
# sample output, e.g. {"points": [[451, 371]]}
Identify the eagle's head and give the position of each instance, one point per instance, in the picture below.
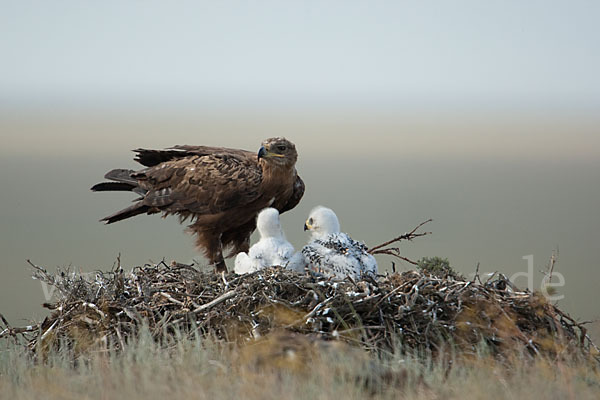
{"points": [[278, 151], [322, 221]]}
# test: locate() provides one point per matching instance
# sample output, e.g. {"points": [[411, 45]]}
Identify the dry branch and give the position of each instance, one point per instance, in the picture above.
{"points": [[216, 301], [395, 251]]}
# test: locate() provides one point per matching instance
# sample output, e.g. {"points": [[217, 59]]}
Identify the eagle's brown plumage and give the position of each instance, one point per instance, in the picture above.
{"points": [[221, 190]]}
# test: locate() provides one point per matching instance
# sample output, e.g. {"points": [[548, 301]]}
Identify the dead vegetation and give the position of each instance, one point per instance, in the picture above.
{"points": [[431, 310], [403, 311]]}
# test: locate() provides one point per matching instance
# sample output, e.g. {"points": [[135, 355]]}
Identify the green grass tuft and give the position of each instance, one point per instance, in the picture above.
{"points": [[439, 267]]}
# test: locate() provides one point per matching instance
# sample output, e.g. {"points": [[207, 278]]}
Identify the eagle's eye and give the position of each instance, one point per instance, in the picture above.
{"points": [[310, 221], [281, 148]]}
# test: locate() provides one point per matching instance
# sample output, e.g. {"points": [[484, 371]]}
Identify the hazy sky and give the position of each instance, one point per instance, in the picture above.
{"points": [[525, 52]]}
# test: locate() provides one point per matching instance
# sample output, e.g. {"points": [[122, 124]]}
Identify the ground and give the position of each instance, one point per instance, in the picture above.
{"points": [[189, 369]]}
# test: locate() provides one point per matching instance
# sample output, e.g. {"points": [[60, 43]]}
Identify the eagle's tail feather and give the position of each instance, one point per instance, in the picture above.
{"points": [[121, 175], [123, 182], [113, 186], [125, 213]]}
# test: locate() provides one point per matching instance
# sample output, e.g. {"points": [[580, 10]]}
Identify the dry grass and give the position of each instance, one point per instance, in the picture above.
{"points": [[283, 367]]}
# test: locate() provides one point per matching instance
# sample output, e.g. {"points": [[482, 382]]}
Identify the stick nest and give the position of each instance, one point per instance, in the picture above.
{"points": [[409, 311]]}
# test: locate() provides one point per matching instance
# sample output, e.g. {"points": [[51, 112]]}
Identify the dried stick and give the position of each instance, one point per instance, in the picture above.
{"points": [[220, 299], [551, 266], [406, 236], [17, 331], [394, 252]]}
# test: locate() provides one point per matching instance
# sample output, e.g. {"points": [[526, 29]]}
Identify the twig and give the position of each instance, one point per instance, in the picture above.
{"points": [[395, 252], [220, 299], [476, 276], [45, 334], [17, 331], [4, 321], [170, 298], [553, 258], [406, 236]]}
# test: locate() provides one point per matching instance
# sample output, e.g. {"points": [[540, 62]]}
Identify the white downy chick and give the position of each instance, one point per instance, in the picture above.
{"points": [[333, 253], [272, 249]]}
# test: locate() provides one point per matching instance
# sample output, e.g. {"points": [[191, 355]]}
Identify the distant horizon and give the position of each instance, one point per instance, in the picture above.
{"points": [[535, 136], [113, 102]]}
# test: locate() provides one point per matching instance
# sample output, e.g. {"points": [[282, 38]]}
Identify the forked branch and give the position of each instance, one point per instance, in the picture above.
{"points": [[395, 251]]}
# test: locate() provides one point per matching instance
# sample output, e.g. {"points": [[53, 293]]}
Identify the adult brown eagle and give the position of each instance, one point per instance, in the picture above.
{"points": [[221, 190]]}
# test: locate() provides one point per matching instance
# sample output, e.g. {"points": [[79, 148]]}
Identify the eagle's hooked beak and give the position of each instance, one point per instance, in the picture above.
{"points": [[264, 153], [307, 226]]}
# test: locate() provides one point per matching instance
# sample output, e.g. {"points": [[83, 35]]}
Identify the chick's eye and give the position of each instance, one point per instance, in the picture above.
{"points": [[281, 148], [310, 221]]}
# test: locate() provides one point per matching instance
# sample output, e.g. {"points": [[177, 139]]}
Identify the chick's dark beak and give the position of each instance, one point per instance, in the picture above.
{"points": [[305, 227], [262, 152]]}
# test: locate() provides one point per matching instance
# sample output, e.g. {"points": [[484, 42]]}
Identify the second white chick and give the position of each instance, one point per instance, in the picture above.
{"points": [[333, 253], [271, 250]]}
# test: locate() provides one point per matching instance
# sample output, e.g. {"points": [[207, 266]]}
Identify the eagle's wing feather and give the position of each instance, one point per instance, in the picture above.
{"points": [[201, 184], [151, 157], [296, 195]]}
